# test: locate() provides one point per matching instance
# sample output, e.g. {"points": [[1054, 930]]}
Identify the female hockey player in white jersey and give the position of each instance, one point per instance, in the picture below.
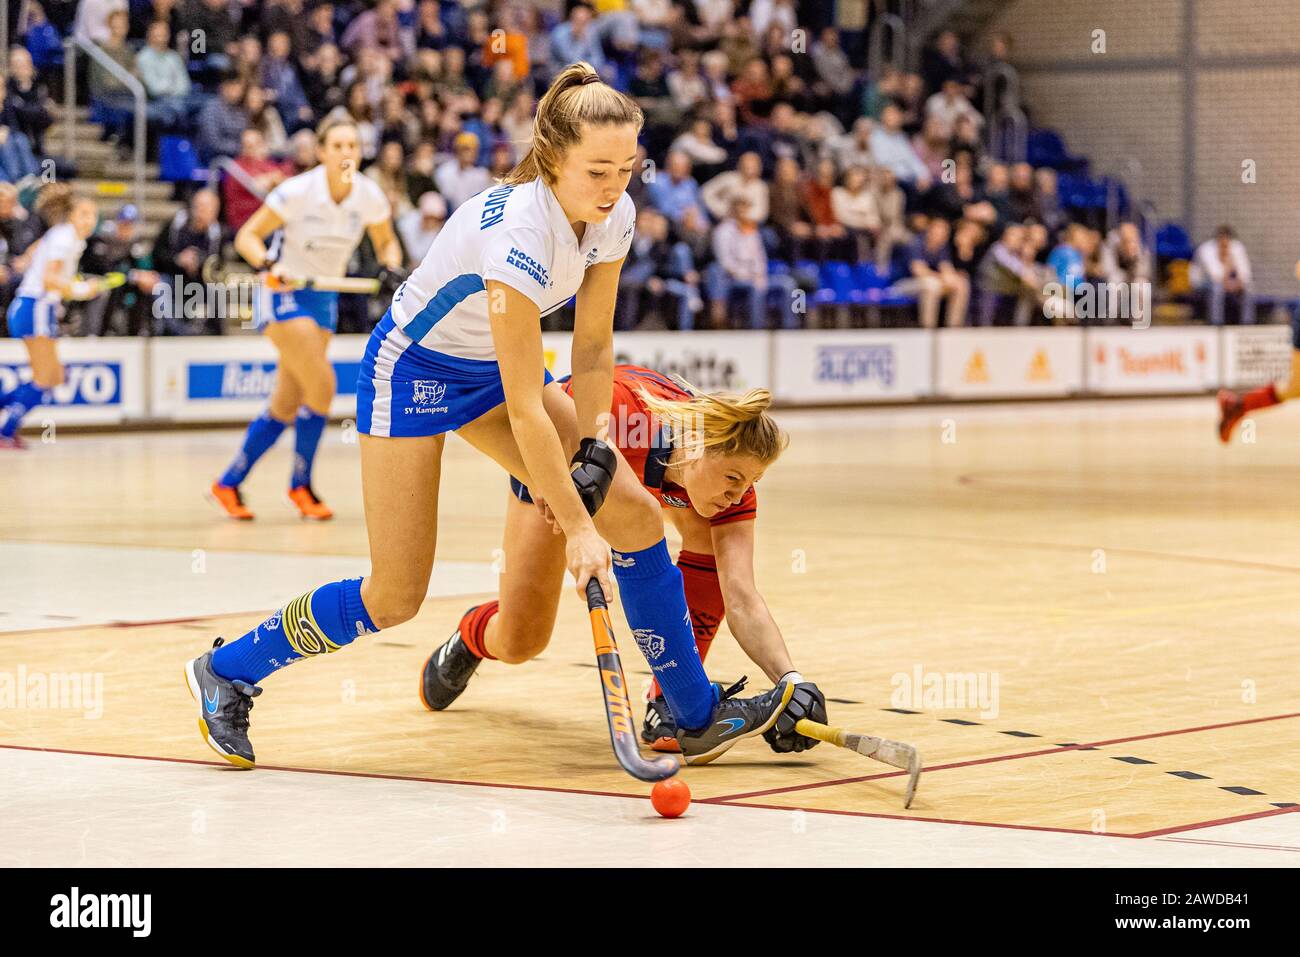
{"points": [[33, 315], [323, 214], [461, 350]]}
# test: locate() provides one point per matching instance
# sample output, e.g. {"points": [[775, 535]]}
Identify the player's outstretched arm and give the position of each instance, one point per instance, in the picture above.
{"points": [[517, 337], [592, 359], [387, 249], [751, 621]]}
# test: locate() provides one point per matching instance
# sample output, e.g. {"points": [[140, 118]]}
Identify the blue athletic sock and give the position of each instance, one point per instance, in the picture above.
{"points": [[17, 404], [307, 430], [323, 620], [261, 435], [655, 605]]}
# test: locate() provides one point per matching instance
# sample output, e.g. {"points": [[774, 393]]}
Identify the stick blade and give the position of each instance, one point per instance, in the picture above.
{"points": [[895, 754]]}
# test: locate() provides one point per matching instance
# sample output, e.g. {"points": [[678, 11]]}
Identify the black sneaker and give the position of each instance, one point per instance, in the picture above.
{"points": [[659, 730], [733, 719], [447, 672], [223, 709]]}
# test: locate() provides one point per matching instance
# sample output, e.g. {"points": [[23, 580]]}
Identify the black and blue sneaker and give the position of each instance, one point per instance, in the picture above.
{"points": [[223, 709], [733, 719]]}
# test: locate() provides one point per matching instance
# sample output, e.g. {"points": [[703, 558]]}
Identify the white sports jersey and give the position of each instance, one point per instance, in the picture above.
{"points": [[320, 235], [59, 244], [517, 235]]}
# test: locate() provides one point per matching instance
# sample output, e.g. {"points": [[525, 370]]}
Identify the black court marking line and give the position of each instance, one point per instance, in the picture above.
{"points": [[1189, 775], [1021, 734], [897, 710], [994, 759], [1237, 789], [843, 701], [1132, 760], [1075, 745], [960, 721], [1287, 804]]}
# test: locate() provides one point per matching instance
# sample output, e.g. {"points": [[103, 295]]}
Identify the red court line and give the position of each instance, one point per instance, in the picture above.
{"points": [[224, 766], [1178, 829], [722, 802], [1196, 825], [1000, 757], [909, 817], [1262, 847]]}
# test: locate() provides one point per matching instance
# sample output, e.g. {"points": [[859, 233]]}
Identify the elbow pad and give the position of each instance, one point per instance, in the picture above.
{"points": [[593, 471]]}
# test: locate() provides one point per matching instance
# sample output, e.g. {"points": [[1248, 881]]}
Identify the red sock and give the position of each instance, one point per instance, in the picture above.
{"points": [[473, 627], [1260, 398], [703, 598]]}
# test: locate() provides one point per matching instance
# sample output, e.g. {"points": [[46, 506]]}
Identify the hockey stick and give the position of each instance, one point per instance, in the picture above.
{"points": [[215, 271], [894, 753], [86, 288], [618, 709]]}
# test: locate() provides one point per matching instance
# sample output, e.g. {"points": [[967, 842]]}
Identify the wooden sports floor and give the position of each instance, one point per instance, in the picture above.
{"points": [[1083, 614]]}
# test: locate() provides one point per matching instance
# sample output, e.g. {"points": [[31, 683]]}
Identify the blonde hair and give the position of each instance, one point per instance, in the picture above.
{"points": [[576, 98], [722, 423], [55, 202]]}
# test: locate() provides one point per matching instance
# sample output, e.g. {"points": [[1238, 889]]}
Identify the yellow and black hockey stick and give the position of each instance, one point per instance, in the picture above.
{"points": [[894, 753]]}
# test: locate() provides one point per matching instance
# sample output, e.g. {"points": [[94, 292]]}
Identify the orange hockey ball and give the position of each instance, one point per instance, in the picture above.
{"points": [[671, 797]]}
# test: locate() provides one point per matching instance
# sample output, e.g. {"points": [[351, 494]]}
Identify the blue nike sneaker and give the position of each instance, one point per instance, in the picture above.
{"points": [[223, 709], [734, 718]]}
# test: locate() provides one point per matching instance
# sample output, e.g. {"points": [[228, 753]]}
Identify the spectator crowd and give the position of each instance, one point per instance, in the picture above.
{"points": [[769, 150]]}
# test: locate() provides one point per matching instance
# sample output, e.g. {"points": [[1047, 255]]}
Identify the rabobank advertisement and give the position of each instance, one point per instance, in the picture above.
{"points": [[201, 379], [829, 366], [103, 381]]}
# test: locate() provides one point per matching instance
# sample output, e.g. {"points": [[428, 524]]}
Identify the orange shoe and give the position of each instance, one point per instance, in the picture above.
{"points": [[309, 505], [1231, 411], [230, 501]]}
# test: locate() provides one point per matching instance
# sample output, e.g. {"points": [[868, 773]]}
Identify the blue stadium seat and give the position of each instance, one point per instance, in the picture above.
{"points": [[1045, 148], [836, 284], [178, 161], [867, 279], [1172, 242]]}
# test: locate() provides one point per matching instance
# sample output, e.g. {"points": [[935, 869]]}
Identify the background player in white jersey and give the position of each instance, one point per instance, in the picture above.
{"points": [[33, 316], [461, 350], [322, 214]]}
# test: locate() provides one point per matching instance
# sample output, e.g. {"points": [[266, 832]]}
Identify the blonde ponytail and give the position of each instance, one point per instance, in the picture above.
{"points": [[577, 97], [722, 423]]}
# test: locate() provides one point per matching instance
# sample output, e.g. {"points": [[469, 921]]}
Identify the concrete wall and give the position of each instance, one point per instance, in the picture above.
{"points": [[1191, 89]]}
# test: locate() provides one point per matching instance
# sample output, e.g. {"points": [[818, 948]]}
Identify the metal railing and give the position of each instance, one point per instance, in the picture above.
{"points": [[70, 47], [236, 172], [897, 29], [1006, 73], [1009, 134]]}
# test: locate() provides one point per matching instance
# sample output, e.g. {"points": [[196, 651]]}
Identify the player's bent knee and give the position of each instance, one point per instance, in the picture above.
{"points": [[514, 646], [387, 609]]}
